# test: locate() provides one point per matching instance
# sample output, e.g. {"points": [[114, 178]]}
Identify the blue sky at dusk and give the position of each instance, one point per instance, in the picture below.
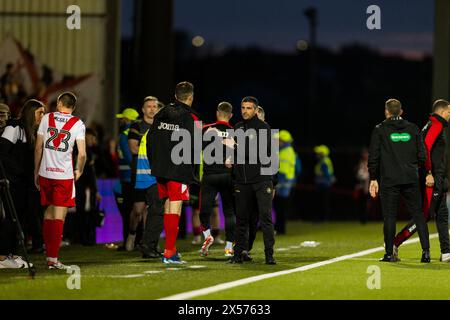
{"points": [[407, 25]]}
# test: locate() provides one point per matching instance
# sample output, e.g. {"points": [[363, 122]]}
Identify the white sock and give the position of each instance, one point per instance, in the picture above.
{"points": [[229, 245], [54, 260], [207, 233]]}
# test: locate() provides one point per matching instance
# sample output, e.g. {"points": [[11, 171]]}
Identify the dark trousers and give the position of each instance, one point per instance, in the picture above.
{"points": [[8, 230], [34, 217], [281, 205], [125, 205], [390, 197], [252, 229], [27, 204], [251, 199], [155, 218], [84, 225], [438, 208], [442, 223], [211, 185]]}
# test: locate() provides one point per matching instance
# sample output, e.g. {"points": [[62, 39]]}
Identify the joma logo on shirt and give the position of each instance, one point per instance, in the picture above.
{"points": [[400, 137], [223, 134], [168, 126]]}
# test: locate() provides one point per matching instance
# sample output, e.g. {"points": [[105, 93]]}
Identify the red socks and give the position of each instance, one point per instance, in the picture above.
{"points": [[53, 232], [171, 221], [47, 233]]}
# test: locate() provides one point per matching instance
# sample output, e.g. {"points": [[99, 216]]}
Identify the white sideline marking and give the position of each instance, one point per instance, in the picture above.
{"points": [[127, 276], [236, 283]]}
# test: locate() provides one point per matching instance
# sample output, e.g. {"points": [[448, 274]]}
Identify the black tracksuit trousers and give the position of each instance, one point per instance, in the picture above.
{"points": [[254, 199], [437, 208], [125, 205], [211, 185], [155, 219], [390, 197]]}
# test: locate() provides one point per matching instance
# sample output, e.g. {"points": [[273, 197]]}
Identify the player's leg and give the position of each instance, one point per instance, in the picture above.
{"points": [[208, 193], [8, 239], [215, 222], [171, 221], [154, 224], [442, 227], [252, 226], [134, 223], [389, 197], [196, 224], [229, 212], [53, 232], [264, 196], [226, 195], [139, 207], [194, 203], [280, 205], [125, 205], [59, 195], [243, 198], [429, 204], [411, 194]]}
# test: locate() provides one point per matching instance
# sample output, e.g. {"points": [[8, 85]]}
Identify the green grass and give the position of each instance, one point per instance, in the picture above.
{"points": [[102, 269]]}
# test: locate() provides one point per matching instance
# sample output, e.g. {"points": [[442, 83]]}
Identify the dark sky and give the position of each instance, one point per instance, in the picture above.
{"points": [[407, 25]]}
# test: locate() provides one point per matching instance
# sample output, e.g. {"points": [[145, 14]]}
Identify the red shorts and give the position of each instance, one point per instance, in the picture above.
{"points": [[175, 191], [58, 193]]}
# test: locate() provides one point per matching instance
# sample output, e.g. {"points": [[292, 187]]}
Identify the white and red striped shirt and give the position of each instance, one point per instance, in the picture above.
{"points": [[60, 132]]}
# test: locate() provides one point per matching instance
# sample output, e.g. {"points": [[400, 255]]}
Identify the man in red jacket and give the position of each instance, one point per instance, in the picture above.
{"points": [[436, 182]]}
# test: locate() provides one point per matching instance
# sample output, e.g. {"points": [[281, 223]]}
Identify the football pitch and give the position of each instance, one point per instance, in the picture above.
{"points": [[343, 266]]}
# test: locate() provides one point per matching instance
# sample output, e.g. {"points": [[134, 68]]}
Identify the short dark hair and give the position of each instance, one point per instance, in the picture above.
{"points": [[440, 104], [183, 90], [225, 108], [68, 99], [252, 100], [394, 107]]}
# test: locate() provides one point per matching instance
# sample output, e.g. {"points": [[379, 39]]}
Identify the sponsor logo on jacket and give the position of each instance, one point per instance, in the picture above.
{"points": [[168, 126]]}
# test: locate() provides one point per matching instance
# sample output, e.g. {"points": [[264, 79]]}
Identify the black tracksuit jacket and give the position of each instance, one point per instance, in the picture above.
{"points": [[396, 153], [251, 173], [159, 145], [435, 138], [216, 168]]}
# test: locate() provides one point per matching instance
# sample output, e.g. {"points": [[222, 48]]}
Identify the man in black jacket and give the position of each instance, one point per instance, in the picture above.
{"points": [[174, 176], [434, 178], [395, 154], [254, 185]]}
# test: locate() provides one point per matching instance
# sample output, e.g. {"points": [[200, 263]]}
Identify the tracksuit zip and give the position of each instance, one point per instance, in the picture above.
{"points": [[245, 174]]}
